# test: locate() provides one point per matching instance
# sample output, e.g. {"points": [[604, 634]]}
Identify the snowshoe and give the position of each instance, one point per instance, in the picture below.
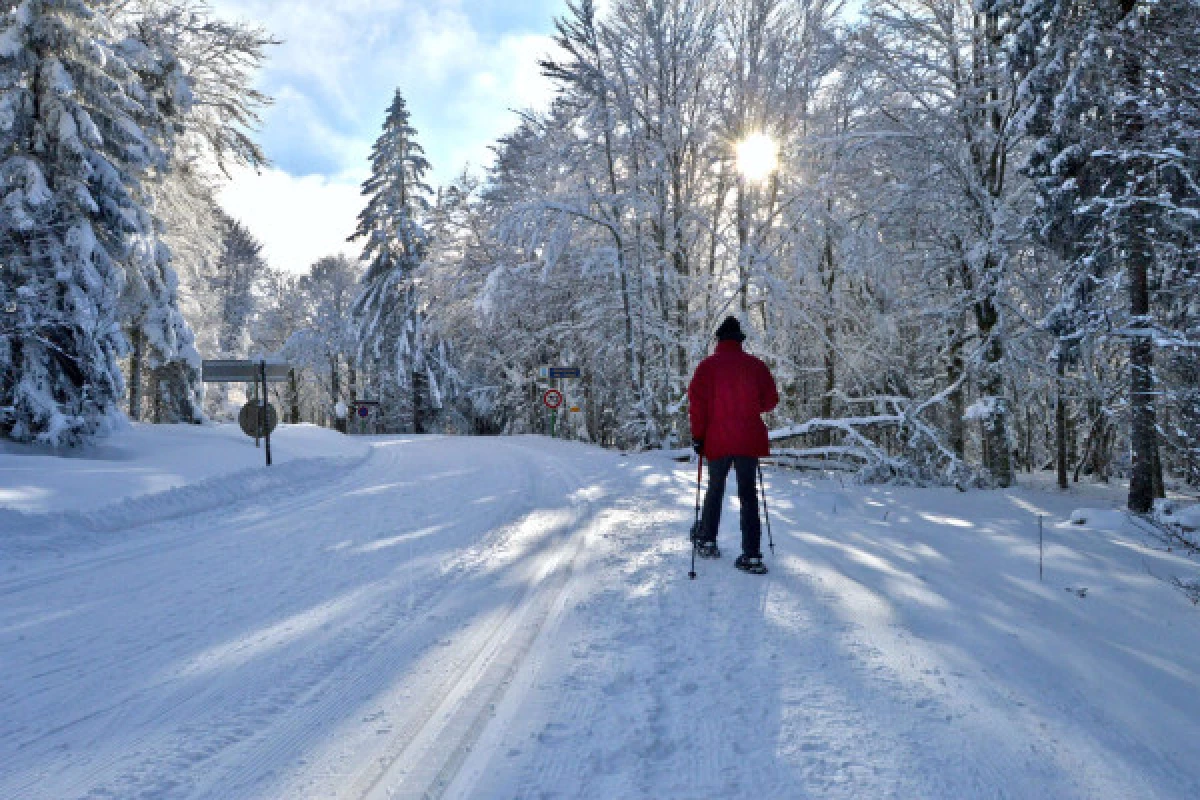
{"points": [[707, 550], [752, 564]]}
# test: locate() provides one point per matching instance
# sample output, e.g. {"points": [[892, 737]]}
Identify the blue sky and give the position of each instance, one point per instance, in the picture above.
{"points": [[462, 65]]}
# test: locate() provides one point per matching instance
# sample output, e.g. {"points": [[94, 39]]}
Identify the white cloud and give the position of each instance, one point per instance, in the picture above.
{"points": [[297, 218], [333, 79], [340, 61]]}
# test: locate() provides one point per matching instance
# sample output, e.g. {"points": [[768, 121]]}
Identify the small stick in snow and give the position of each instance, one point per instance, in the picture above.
{"points": [[1040, 548]]}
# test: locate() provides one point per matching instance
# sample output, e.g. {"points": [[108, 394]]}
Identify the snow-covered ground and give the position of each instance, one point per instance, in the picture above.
{"points": [[512, 618], [146, 473]]}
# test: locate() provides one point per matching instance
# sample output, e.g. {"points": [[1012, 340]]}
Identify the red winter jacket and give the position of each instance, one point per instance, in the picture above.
{"points": [[729, 392]]}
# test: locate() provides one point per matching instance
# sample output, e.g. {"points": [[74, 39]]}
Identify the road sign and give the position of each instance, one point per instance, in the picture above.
{"points": [[552, 398], [364, 411], [575, 409], [253, 419], [243, 371], [248, 419], [562, 372]]}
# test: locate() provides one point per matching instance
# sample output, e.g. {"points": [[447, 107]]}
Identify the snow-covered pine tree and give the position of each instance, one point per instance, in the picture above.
{"points": [[72, 153], [160, 336], [239, 266], [197, 69], [389, 344]]}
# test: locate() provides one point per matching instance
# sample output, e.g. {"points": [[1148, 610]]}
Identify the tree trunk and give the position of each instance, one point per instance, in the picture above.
{"points": [[829, 281], [958, 400], [743, 234], [352, 375], [998, 458], [1060, 418], [335, 394], [138, 341], [1138, 258], [294, 396]]}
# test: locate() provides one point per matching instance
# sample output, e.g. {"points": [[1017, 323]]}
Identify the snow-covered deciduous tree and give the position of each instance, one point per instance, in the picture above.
{"points": [[327, 343]]}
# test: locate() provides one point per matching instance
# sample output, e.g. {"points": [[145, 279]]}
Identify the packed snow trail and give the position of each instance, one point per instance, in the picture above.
{"points": [[511, 618], [220, 664]]}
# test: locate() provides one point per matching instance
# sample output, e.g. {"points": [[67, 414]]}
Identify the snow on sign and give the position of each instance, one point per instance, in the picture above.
{"points": [[552, 398], [239, 370]]}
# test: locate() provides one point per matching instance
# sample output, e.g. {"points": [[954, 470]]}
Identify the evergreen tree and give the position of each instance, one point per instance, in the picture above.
{"points": [[395, 245], [1112, 87], [73, 150]]}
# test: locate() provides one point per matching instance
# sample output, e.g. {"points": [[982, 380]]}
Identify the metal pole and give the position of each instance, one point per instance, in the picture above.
{"points": [[696, 525], [763, 489], [258, 426], [264, 420]]}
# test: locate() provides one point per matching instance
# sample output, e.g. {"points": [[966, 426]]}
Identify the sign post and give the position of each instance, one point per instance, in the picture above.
{"points": [[244, 371], [262, 410], [363, 409], [552, 399]]}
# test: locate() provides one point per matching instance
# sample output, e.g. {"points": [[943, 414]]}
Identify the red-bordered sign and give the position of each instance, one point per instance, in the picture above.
{"points": [[552, 398]]}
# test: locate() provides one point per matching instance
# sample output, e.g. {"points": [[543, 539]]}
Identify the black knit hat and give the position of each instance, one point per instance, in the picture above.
{"points": [[730, 330]]}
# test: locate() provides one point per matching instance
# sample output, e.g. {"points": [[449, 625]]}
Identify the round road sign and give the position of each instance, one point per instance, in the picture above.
{"points": [[248, 418], [364, 412], [552, 398]]}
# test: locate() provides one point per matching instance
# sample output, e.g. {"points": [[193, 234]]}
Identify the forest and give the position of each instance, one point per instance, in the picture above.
{"points": [[962, 233]]}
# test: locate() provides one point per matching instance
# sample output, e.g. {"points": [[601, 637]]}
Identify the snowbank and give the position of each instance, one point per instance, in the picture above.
{"points": [[149, 473]]}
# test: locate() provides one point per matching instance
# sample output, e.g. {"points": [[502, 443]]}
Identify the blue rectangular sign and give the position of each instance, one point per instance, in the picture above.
{"points": [[564, 372]]}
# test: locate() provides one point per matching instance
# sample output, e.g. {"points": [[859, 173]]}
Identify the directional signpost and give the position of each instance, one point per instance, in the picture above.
{"points": [[256, 372]]}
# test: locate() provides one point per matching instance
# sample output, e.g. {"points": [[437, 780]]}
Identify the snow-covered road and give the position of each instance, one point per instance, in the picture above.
{"points": [[511, 618]]}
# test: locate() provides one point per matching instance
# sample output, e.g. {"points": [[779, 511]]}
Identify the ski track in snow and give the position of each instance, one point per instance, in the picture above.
{"points": [[511, 618]]}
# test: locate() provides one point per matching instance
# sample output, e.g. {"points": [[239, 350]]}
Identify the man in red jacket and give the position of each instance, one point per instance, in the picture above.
{"points": [[730, 390]]}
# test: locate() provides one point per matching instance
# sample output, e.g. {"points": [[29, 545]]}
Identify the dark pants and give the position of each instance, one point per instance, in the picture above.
{"points": [[747, 480]]}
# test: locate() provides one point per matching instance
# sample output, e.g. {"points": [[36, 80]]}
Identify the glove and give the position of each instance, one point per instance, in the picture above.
{"points": [[698, 446]]}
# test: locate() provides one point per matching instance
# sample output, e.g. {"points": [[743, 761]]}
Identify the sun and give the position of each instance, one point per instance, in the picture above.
{"points": [[757, 157]]}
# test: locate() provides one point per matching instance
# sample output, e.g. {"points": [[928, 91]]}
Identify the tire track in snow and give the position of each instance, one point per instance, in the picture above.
{"points": [[425, 760], [191, 738]]}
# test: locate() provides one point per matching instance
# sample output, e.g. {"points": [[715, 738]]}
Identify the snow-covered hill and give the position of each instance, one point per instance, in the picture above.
{"points": [[512, 618]]}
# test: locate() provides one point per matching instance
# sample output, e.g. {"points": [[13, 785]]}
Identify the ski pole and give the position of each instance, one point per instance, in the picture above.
{"points": [[762, 485], [696, 524]]}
